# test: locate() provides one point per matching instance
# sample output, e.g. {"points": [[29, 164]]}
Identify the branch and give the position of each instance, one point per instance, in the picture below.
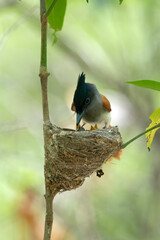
{"points": [[50, 8], [49, 215], [49, 193], [139, 135], [43, 62]]}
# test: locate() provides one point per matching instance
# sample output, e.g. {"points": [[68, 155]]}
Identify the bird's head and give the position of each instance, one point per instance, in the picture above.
{"points": [[81, 99]]}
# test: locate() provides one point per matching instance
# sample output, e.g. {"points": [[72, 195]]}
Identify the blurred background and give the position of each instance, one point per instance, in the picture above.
{"points": [[112, 44]]}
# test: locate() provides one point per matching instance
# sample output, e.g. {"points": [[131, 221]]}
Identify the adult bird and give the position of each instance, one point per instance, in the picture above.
{"points": [[89, 105]]}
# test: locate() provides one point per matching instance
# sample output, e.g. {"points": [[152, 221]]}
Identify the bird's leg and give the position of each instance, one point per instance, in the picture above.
{"points": [[105, 126], [80, 128], [92, 128]]}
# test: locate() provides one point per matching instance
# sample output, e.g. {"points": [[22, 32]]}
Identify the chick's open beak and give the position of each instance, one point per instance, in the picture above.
{"points": [[79, 117]]}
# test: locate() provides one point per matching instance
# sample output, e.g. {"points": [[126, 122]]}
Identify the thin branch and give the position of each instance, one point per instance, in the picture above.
{"points": [[139, 135], [49, 215], [43, 62], [42, 7], [49, 194], [50, 8]]}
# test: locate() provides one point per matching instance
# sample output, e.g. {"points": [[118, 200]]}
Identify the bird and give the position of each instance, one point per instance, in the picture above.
{"points": [[90, 106]]}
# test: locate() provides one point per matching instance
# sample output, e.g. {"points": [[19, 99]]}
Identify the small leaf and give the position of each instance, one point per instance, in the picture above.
{"points": [[120, 1], [155, 85], [155, 118], [55, 38], [56, 17]]}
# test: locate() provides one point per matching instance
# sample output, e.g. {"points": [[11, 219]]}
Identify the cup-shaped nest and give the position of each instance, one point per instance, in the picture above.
{"points": [[72, 156]]}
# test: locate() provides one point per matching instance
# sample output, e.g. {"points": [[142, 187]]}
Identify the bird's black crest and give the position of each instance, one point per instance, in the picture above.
{"points": [[80, 93], [81, 79]]}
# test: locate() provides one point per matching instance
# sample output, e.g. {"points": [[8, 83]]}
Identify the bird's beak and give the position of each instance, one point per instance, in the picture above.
{"points": [[79, 117]]}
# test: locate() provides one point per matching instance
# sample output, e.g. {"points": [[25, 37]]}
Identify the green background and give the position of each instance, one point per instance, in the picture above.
{"points": [[112, 44]]}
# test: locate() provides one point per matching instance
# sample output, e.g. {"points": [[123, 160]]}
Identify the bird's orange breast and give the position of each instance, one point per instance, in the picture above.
{"points": [[106, 103]]}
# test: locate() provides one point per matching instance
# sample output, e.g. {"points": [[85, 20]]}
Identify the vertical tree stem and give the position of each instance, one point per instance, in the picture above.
{"points": [[43, 62], [49, 214], [49, 195]]}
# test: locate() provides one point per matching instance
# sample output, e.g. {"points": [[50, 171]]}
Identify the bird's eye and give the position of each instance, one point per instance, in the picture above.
{"points": [[87, 100]]}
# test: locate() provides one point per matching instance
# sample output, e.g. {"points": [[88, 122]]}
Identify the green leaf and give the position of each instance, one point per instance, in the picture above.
{"points": [[147, 84], [56, 16], [55, 38], [120, 1], [155, 118]]}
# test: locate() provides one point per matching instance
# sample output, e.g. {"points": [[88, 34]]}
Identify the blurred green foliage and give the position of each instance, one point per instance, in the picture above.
{"points": [[112, 44]]}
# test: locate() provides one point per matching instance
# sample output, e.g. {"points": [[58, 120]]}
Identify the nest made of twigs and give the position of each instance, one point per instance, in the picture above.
{"points": [[72, 156]]}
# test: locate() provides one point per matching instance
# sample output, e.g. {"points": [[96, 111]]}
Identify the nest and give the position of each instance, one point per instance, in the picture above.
{"points": [[72, 156]]}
